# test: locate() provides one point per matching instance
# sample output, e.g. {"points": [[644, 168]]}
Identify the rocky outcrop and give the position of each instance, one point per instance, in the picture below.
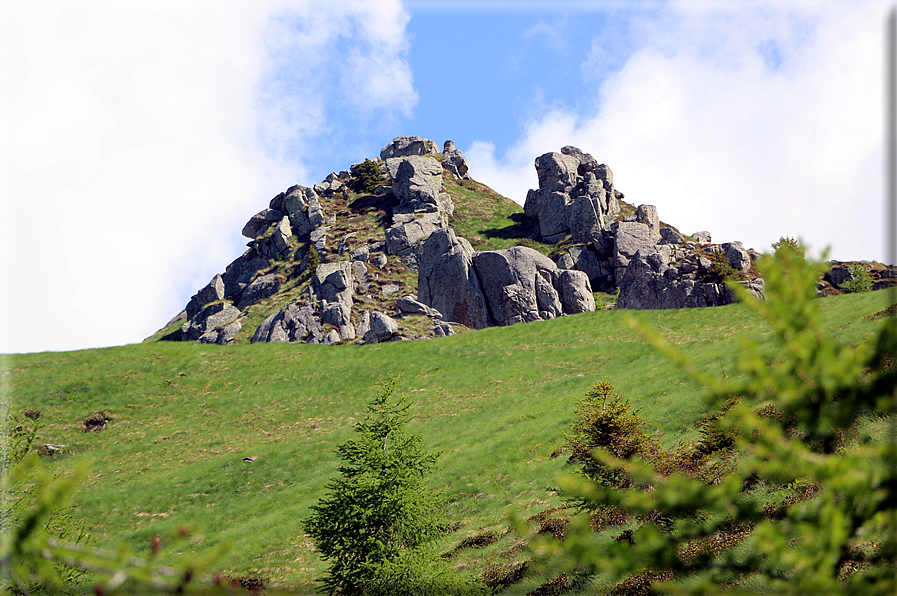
{"points": [[382, 328], [503, 287], [447, 281], [296, 322], [409, 229], [208, 325], [576, 196], [333, 285], [405, 146], [417, 184], [211, 292], [663, 277], [348, 255], [264, 286], [303, 206], [454, 161], [410, 306]]}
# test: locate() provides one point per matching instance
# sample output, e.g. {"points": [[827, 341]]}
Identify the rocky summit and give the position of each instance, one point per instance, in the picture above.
{"points": [[377, 252]]}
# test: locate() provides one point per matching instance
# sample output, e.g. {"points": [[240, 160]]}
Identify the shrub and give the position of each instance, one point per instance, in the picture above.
{"points": [[378, 518], [719, 271], [605, 421], [830, 522], [366, 177], [860, 280], [786, 243]]}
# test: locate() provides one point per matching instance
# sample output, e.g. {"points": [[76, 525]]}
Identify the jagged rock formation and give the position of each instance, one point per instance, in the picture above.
{"points": [[502, 287], [454, 161], [325, 264], [662, 277], [576, 196]]}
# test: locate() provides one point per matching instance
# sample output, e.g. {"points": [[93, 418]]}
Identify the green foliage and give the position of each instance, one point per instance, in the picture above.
{"points": [[803, 510], [314, 259], [378, 513], [719, 271], [34, 512], [604, 420], [367, 177], [786, 243], [860, 280]]}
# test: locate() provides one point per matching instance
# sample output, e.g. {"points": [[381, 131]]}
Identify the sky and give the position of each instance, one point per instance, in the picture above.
{"points": [[136, 138]]}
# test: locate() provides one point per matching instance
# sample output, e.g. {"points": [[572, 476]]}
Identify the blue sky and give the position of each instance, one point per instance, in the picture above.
{"points": [[140, 136]]}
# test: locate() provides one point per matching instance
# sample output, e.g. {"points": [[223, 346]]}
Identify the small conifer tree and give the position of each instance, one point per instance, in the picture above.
{"points": [[860, 280], [378, 512]]}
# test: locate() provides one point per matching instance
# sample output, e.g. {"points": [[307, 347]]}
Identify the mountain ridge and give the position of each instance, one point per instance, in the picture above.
{"points": [[338, 263]]}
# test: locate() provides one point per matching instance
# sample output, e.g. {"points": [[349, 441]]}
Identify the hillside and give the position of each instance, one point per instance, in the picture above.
{"points": [[495, 403]]}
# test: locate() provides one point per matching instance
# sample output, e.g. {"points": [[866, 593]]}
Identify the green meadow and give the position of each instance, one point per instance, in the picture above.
{"points": [[495, 403]]}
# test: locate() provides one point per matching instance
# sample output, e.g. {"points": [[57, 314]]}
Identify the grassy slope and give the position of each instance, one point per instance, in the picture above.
{"points": [[495, 402]]}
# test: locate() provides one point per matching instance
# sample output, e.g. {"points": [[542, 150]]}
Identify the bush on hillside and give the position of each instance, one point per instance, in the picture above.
{"points": [[786, 243], [366, 177], [860, 280], [802, 510], [719, 271]]}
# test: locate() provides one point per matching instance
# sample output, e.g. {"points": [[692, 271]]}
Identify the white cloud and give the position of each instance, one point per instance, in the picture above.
{"points": [[751, 122], [132, 151]]}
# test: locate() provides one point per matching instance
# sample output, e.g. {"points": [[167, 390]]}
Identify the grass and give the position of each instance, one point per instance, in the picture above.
{"points": [[494, 402]]}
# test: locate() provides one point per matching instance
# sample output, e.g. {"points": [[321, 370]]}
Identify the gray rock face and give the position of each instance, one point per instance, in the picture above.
{"points": [[213, 317], [410, 306], [586, 259], [212, 292], [647, 214], [575, 196], [334, 283], [502, 287], [651, 283], [565, 261], [277, 243], [223, 336], [262, 287], [405, 146], [702, 237], [302, 206], [737, 256], [575, 291], [239, 273], [584, 219], [447, 281], [259, 222], [454, 161], [418, 185], [337, 315], [629, 237], [297, 321], [381, 329], [522, 285], [408, 231], [364, 324], [508, 278], [670, 236]]}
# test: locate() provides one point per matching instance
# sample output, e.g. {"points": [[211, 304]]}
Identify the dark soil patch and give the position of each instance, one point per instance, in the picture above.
{"points": [[500, 577], [886, 312], [555, 526], [96, 421]]}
